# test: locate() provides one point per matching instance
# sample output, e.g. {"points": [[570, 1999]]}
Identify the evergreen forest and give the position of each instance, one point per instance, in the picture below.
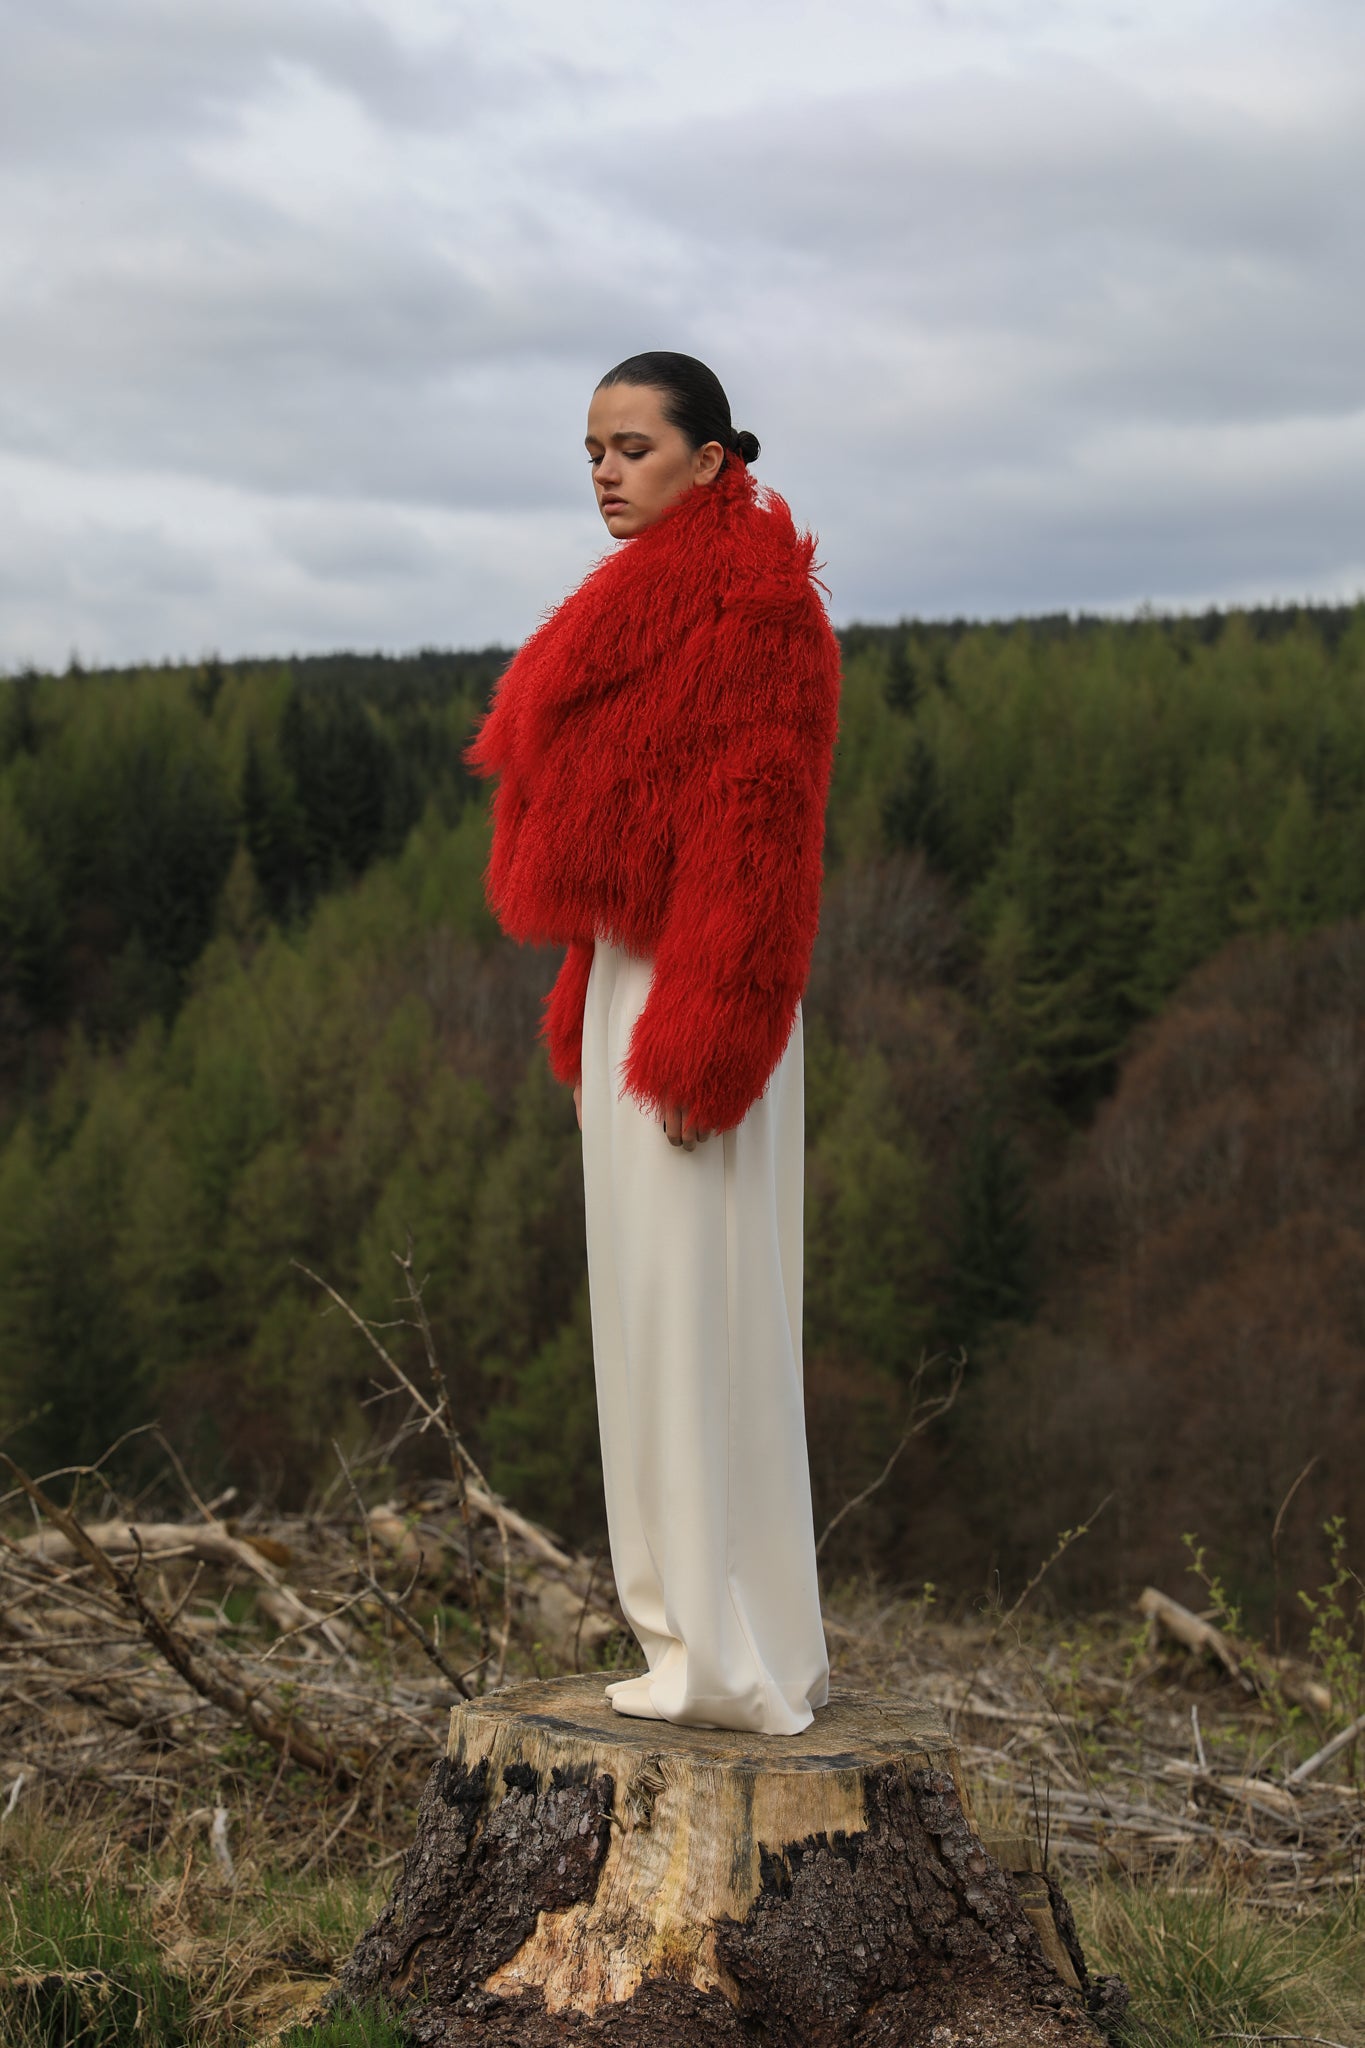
{"points": [[1085, 1070]]}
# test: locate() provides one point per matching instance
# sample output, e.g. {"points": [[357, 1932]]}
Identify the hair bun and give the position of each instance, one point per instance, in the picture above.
{"points": [[746, 446]]}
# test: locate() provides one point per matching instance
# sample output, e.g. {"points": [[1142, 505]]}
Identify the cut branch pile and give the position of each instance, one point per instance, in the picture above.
{"points": [[1137, 1756], [338, 1640], [333, 1641]]}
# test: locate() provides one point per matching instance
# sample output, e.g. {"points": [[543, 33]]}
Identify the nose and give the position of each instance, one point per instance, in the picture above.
{"points": [[608, 471]]}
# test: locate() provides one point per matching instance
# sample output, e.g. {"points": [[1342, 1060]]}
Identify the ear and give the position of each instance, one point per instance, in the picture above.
{"points": [[706, 463]]}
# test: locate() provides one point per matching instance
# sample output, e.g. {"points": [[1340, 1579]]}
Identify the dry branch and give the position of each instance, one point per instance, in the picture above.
{"points": [[923, 1409], [209, 1543], [1167, 1617], [218, 1679], [440, 1416], [1251, 1669], [1313, 1764]]}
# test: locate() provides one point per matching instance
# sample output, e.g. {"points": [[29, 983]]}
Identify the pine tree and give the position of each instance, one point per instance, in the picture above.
{"points": [[868, 1254], [1194, 912], [991, 1262], [1296, 885], [33, 923], [542, 1437], [340, 766], [275, 832]]}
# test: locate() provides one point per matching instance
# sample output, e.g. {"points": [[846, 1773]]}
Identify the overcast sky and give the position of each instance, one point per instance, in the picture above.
{"points": [[1034, 304]]}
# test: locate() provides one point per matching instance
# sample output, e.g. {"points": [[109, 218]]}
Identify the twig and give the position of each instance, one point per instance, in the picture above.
{"points": [[922, 1413], [83, 1471], [322, 1849], [184, 1476], [1062, 1545], [434, 1416], [211, 1681], [430, 1648], [370, 1701], [462, 1462], [367, 1331], [319, 1621], [459, 1456], [210, 1542], [1330, 1749], [866, 1494], [1275, 1546], [1198, 1738], [183, 1602]]}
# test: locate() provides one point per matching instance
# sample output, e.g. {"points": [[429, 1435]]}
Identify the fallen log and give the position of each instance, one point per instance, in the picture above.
{"points": [[580, 1876], [207, 1543], [1253, 1670], [553, 1591]]}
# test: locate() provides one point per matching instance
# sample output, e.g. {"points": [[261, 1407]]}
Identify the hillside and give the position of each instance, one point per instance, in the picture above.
{"points": [[1082, 1040]]}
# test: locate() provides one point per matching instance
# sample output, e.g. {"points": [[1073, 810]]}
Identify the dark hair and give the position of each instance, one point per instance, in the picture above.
{"points": [[694, 398]]}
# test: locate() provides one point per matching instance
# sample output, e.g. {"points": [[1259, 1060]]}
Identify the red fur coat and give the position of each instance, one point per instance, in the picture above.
{"points": [[664, 743]]}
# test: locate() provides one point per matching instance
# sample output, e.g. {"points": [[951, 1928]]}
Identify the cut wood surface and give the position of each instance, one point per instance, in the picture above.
{"points": [[579, 1875]]}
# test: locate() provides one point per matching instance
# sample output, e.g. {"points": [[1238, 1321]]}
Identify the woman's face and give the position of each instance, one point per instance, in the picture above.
{"points": [[640, 461]]}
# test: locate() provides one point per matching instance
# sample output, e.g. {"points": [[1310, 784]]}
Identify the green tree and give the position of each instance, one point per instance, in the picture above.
{"points": [[340, 765], [275, 831], [1296, 885], [33, 925], [867, 1251], [992, 1255], [1194, 913], [873, 743], [527, 1241], [543, 1444], [72, 1372]]}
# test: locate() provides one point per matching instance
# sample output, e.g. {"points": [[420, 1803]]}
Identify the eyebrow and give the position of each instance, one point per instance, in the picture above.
{"points": [[626, 434]]}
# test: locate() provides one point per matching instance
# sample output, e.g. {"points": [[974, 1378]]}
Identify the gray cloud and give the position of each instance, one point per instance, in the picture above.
{"points": [[303, 305], [88, 73]]}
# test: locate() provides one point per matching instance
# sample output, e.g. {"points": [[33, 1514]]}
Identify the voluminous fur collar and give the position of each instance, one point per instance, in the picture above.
{"points": [[727, 543]]}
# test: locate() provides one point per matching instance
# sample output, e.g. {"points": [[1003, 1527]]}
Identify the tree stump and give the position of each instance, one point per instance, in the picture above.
{"points": [[582, 1877]]}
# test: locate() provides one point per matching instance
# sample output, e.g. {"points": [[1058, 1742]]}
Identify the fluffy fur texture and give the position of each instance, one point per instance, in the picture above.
{"points": [[663, 743]]}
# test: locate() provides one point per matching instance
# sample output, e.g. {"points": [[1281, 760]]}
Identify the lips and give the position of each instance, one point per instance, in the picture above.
{"points": [[613, 504]]}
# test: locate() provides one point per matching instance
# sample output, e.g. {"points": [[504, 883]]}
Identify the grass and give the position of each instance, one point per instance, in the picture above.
{"points": [[82, 1964], [1204, 1967], [357, 2027], [95, 1964], [116, 1926], [152, 1952], [102, 1946]]}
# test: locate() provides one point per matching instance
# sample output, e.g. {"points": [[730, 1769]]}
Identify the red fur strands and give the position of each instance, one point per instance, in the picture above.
{"points": [[663, 743]]}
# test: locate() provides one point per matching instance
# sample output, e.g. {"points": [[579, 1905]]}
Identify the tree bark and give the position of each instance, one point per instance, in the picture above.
{"points": [[582, 1877]]}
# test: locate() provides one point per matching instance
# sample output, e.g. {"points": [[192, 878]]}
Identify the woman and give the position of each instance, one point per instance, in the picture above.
{"points": [[664, 743]]}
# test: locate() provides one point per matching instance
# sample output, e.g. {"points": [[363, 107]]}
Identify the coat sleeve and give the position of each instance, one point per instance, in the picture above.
{"points": [[734, 955], [562, 1026]]}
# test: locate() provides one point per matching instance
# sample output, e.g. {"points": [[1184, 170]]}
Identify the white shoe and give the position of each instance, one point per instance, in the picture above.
{"points": [[631, 1696]]}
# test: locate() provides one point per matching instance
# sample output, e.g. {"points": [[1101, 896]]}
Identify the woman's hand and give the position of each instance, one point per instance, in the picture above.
{"points": [[578, 1102], [680, 1131]]}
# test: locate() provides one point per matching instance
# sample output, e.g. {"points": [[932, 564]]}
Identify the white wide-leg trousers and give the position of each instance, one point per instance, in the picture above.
{"points": [[694, 1277]]}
